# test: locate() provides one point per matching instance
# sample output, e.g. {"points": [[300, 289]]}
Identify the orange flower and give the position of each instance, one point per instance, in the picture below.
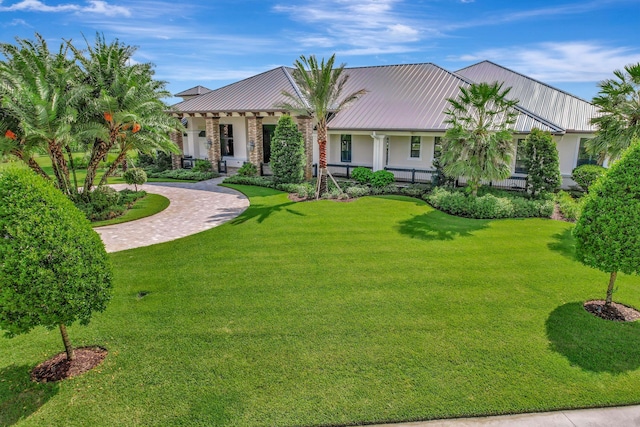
{"points": [[136, 128], [10, 134], [108, 117]]}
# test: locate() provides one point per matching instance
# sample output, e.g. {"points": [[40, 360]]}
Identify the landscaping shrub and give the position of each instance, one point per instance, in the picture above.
{"points": [[541, 161], [157, 162], [488, 206], [415, 190], [362, 175], [569, 207], [382, 178], [187, 174], [248, 169], [202, 165], [304, 190], [357, 191], [287, 152], [586, 175], [106, 203], [259, 181], [135, 177]]}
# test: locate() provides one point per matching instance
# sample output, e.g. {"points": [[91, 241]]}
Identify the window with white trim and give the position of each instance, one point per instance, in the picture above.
{"points": [[415, 147], [520, 158], [345, 148]]}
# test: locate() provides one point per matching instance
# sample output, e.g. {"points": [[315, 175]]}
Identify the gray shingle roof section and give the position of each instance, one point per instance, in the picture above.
{"points": [[559, 107], [194, 91], [409, 97], [258, 93]]}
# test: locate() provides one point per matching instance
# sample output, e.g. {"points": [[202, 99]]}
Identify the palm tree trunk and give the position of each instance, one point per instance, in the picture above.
{"points": [[121, 157], [612, 281], [73, 169], [322, 163], [59, 165], [67, 343], [100, 148], [30, 161]]}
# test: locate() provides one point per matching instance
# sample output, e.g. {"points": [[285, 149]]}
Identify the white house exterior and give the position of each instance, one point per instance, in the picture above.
{"points": [[395, 125]]}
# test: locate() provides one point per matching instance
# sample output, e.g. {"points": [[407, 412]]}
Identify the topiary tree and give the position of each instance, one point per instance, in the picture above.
{"points": [[608, 230], [135, 177], [287, 152], [541, 161], [586, 175], [54, 270]]}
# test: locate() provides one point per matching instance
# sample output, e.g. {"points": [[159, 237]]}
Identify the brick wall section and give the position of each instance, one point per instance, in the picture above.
{"points": [[176, 159], [256, 156], [305, 125], [212, 130]]}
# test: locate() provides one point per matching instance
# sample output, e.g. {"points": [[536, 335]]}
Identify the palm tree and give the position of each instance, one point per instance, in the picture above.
{"points": [[40, 91], [618, 126], [321, 86], [479, 144]]}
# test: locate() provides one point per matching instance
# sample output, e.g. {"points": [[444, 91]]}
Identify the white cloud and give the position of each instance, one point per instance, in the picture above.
{"points": [[578, 61], [91, 6]]}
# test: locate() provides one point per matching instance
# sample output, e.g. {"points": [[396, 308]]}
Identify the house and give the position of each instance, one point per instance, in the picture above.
{"points": [[395, 126]]}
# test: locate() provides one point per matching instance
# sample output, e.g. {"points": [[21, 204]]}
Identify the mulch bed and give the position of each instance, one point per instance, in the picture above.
{"points": [[616, 312], [59, 368]]}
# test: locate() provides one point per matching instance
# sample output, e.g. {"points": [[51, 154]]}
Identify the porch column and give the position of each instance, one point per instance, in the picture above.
{"points": [[212, 130], [379, 146], [176, 159], [191, 146], [305, 126], [256, 154]]}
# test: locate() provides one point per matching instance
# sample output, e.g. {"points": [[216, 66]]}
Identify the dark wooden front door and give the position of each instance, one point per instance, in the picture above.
{"points": [[267, 134]]}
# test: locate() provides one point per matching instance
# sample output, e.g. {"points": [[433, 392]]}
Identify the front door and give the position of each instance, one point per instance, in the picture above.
{"points": [[267, 134]]}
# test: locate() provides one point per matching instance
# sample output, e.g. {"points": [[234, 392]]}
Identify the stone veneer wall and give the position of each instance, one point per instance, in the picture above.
{"points": [[212, 130], [255, 134]]}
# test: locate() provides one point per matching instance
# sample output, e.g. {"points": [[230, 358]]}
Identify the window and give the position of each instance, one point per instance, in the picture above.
{"points": [[520, 158], [345, 148], [437, 148], [202, 134], [585, 158], [415, 146], [226, 140]]}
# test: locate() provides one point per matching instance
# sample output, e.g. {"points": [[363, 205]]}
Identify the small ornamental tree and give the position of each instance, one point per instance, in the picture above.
{"points": [[585, 175], [287, 152], [135, 177], [608, 230], [54, 269], [541, 161]]}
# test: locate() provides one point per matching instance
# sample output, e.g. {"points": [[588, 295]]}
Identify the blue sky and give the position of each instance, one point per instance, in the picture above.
{"points": [[571, 45]]}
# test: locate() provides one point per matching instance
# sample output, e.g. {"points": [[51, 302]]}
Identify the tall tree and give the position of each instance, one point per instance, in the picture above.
{"points": [[321, 86], [479, 143], [54, 270], [40, 92], [618, 125], [541, 161], [287, 152], [608, 230]]}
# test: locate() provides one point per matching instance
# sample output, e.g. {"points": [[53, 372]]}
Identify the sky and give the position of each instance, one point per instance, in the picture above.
{"points": [[571, 45]]}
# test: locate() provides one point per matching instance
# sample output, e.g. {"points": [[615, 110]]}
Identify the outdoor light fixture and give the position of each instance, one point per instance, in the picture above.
{"points": [[252, 145], [208, 144]]}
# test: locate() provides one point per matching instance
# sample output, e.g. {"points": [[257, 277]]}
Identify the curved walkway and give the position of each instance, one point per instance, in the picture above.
{"points": [[194, 207]]}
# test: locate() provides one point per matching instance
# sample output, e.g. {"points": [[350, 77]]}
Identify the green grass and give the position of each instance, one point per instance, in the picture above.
{"points": [[149, 205], [329, 313]]}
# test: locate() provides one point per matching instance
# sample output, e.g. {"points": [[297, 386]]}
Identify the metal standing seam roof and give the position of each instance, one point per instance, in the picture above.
{"points": [[564, 109], [410, 97], [194, 91], [261, 92]]}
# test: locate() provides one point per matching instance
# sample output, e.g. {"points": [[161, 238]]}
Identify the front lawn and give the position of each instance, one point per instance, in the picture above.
{"points": [[331, 313]]}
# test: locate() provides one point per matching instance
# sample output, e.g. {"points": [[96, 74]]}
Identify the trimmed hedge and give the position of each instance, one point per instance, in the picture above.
{"points": [[569, 207], [488, 206], [586, 175], [188, 174]]}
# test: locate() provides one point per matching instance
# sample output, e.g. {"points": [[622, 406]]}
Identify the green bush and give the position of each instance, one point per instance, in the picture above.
{"points": [[259, 181], [186, 174], [106, 203], [382, 178], [135, 176], [156, 162], [104, 197], [541, 161], [287, 152], [362, 175], [54, 270], [357, 191], [415, 190], [568, 206], [488, 206], [586, 175], [248, 169], [202, 165]]}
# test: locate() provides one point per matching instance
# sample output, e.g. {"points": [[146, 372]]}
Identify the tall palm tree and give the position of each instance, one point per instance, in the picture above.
{"points": [[321, 86], [618, 126], [40, 91], [479, 144]]}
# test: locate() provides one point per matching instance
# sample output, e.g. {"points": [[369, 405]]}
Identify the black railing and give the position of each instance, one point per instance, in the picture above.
{"points": [[511, 183], [222, 166], [412, 175], [343, 170]]}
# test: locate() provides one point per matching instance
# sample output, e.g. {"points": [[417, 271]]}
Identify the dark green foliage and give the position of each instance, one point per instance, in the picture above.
{"points": [[362, 175], [586, 175], [158, 162], [248, 169], [287, 152], [541, 161], [488, 206], [202, 166], [106, 203], [249, 180], [54, 268], [135, 176], [382, 178], [608, 231], [415, 190], [187, 174], [569, 207]]}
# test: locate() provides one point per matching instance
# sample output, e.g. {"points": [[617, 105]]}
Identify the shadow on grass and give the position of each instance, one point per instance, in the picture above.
{"points": [[262, 212], [592, 343], [19, 396], [436, 225], [564, 244]]}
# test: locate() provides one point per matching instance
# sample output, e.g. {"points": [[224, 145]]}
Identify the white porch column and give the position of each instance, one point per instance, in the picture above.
{"points": [[192, 143], [378, 151]]}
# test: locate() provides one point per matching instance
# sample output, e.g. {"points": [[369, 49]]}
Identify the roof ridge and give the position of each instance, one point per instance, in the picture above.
{"points": [[391, 65], [527, 77], [294, 85], [540, 119]]}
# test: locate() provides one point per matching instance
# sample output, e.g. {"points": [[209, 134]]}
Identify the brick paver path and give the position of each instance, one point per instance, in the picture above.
{"points": [[194, 207]]}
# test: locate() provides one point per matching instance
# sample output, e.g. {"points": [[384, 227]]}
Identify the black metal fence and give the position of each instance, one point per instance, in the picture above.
{"points": [[511, 183]]}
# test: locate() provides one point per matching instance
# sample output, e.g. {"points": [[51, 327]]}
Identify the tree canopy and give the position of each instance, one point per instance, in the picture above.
{"points": [[541, 161], [287, 152]]}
